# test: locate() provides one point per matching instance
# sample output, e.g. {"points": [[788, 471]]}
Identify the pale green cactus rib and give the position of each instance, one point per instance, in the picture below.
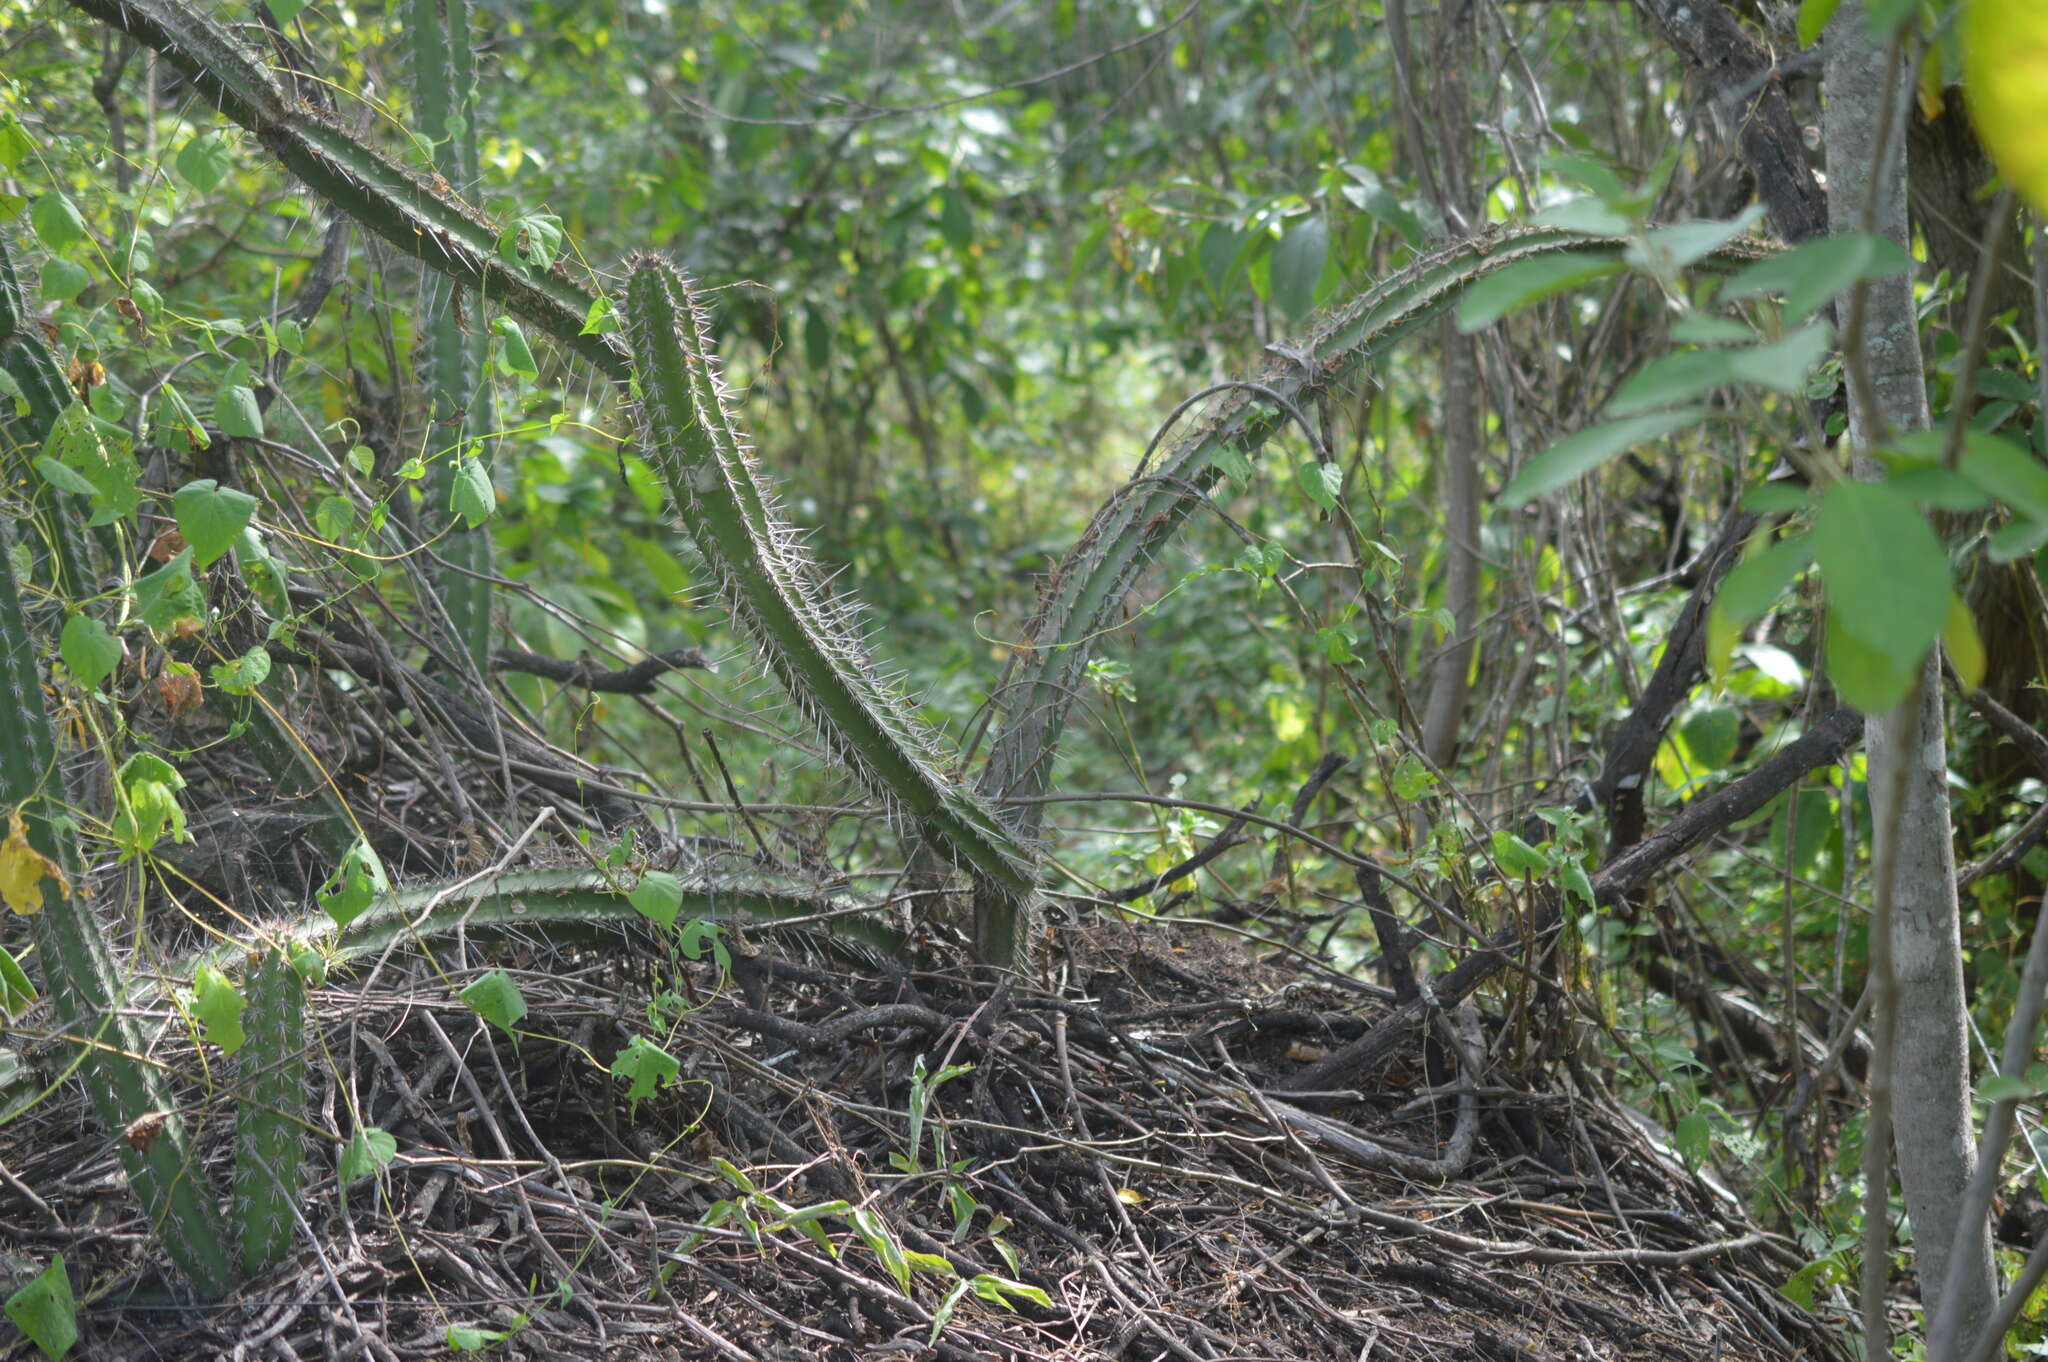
{"points": [[808, 639], [443, 83], [80, 981], [1087, 589], [269, 1117], [417, 217]]}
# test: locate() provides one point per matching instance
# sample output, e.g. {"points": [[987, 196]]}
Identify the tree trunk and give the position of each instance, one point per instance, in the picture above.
{"points": [[1930, 1062]]}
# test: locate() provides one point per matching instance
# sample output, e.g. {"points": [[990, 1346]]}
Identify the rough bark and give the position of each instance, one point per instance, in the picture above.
{"points": [[1750, 89], [1930, 1059]]}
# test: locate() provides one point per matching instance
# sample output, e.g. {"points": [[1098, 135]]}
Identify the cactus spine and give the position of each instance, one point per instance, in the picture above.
{"points": [[808, 638]]}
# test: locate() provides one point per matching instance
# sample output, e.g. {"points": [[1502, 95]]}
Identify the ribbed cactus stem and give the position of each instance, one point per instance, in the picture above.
{"points": [[79, 978], [808, 638], [269, 1121], [443, 78], [1087, 590]]}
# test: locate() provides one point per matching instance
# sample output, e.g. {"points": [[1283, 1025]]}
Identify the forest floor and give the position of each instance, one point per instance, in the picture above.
{"points": [[858, 1162]]}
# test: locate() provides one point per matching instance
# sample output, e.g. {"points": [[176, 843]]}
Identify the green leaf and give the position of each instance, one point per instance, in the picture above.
{"points": [[1589, 214], [2000, 1088], [363, 459], [219, 1009], [146, 805], [57, 221], [235, 409], [1813, 17], [1578, 454], [470, 494], [1711, 735], [16, 992], [514, 355], [1758, 582], [643, 1064], [1778, 497], [1864, 676], [1963, 644], [284, 11], [205, 161], [211, 517], [944, 1314], [1411, 779], [63, 280], [1297, 264], [1886, 573], [355, 882], [176, 413], [600, 319], [334, 518], [15, 143], [1321, 482], [1701, 329], [63, 477], [1516, 857], [1675, 378], [496, 999], [169, 595], [89, 649], [1808, 276], [369, 1149], [1783, 364], [2007, 472], [700, 935], [998, 1290], [291, 337], [468, 1338], [658, 896], [241, 675], [45, 1311], [1666, 250], [533, 240], [1531, 281], [1232, 463]]}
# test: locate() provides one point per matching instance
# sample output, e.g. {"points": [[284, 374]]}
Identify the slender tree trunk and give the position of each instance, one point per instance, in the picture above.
{"points": [[1930, 1064]]}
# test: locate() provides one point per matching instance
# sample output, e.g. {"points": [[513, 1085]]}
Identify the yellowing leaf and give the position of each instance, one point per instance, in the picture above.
{"points": [[2005, 75], [1960, 640], [1130, 1197], [23, 870]]}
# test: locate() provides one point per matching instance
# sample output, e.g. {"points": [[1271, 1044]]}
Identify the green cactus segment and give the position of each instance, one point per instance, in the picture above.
{"points": [[128, 1093], [28, 359], [808, 639], [270, 1122], [22, 352], [551, 903], [1088, 588], [419, 218], [444, 76]]}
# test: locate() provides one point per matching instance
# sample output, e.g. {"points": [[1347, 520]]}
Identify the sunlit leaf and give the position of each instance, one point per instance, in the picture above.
{"points": [[1579, 454]]}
